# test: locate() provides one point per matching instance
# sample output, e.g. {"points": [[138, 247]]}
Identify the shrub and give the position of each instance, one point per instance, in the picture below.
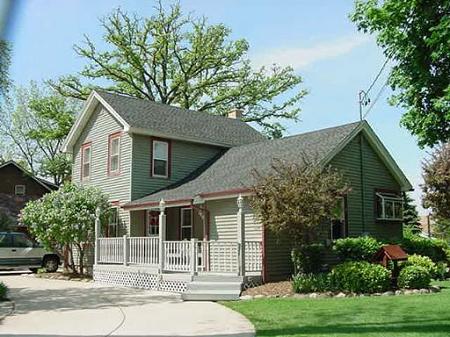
{"points": [[435, 249], [310, 283], [422, 261], [441, 270], [360, 277], [308, 258], [3, 291], [414, 277], [356, 249]]}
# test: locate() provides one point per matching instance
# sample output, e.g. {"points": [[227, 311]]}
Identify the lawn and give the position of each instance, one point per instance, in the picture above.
{"points": [[407, 315]]}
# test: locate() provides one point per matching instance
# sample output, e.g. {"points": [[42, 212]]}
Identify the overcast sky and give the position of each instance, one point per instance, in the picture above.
{"points": [[315, 37]]}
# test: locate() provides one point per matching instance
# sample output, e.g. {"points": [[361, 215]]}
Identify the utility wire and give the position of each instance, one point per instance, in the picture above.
{"points": [[378, 76], [377, 97]]}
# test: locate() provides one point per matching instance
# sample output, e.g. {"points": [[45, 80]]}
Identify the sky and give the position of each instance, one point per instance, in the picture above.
{"points": [[315, 37]]}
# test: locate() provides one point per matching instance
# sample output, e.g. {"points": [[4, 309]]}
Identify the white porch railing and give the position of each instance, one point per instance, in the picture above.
{"points": [[180, 256]]}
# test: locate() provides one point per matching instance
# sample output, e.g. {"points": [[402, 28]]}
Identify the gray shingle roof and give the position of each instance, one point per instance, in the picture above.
{"points": [[234, 169], [170, 120]]}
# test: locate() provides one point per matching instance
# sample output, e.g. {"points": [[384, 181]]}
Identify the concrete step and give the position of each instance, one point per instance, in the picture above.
{"points": [[210, 295], [202, 285], [217, 278]]}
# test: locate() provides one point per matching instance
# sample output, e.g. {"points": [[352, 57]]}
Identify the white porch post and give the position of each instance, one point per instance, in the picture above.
{"points": [[241, 234], [194, 256], [97, 234], [125, 250], [162, 233]]}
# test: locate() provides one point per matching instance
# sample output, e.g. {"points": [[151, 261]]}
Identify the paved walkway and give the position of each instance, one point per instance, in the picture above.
{"points": [[55, 308]]}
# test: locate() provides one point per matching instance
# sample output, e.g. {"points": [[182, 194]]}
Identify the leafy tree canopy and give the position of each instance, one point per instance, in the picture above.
{"points": [[182, 60], [5, 61], [415, 35], [66, 218], [296, 199]]}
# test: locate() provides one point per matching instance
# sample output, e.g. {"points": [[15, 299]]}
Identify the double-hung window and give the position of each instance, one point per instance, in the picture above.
{"points": [[86, 156], [160, 159], [152, 225], [338, 221], [113, 223], [114, 154], [186, 223], [389, 206]]}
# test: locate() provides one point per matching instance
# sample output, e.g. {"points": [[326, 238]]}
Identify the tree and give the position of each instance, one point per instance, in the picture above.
{"points": [[415, 35], [5, 61], [34, 125], [66, 218], [410, 214], [436, 186], [296, 199], [182, 60]]}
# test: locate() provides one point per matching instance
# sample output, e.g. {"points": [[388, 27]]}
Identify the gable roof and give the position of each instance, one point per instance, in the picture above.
{"points": [[44, 183], [232, 173], [161, 120]]}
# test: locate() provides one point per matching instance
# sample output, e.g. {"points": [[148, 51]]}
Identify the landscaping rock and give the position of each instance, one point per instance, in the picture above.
{"points": [[398, 292], [340, 295], [259, 296], [408, 292], [246, 297], [424, 291], [388, 293], [314, 295], [435, 289], [300, 296], [416, 291]]}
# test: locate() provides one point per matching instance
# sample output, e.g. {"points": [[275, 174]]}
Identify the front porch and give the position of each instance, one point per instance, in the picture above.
{"points": [[154, 262]]}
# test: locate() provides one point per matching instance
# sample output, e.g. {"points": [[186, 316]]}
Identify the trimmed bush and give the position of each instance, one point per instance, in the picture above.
{"points": [[435, 249], [308, 258], [360, 277], [310, 283], [356, 249], [441, 270], [3, 291], [414, 277], [422, 261]]}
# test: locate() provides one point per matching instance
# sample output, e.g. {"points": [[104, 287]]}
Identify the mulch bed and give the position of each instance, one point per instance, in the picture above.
{"points": [[64, 276], [271, 289]]}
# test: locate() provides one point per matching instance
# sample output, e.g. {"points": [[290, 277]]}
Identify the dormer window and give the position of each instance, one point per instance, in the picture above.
{"points": [[86, 155], [389, 206], [114, 154], [160, 158]]}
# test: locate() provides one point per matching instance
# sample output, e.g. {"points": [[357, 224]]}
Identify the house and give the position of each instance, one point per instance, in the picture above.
{"points": [[17, 187], [180, 182]]}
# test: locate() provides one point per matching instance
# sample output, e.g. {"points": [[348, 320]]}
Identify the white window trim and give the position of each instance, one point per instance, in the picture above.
{"points": [[83, 161], [111, 139], [154, 142], [182, 222], [390, 198], [147, 225], [17, 187]]}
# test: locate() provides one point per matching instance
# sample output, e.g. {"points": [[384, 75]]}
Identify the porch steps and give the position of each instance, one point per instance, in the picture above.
{"points": [[213, 288]]}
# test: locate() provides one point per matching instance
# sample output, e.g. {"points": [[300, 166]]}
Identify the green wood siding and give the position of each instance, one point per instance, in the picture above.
{"points": [[375, 176], [185, 158], [100, 125]]}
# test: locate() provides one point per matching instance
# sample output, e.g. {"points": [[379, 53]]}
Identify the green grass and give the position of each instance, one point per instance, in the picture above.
{"points": [[408, 315]]}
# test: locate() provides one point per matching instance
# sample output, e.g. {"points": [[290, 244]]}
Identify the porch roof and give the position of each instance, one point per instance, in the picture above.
{"points": [[233, 172]]}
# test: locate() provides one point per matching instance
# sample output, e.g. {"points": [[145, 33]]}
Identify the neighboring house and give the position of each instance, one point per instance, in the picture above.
{"points": [[17, 187], [427, 223], [175, 175]]}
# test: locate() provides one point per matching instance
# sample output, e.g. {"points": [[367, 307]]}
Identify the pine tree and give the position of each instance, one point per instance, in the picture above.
{"points": [[410, 214]]}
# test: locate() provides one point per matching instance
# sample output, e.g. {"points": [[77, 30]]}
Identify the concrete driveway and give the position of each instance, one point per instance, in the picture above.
{"points": [[54, 308]]}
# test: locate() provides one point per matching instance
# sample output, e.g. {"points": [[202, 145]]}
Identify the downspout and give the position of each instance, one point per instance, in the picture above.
{"points": [[361, 162]]}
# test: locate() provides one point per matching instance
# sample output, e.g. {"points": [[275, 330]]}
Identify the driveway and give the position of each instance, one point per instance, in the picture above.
{"points": [[54, 308]]}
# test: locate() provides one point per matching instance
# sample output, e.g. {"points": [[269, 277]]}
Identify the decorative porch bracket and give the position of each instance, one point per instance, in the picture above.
{"points": [[241, 234], [97, 234], [162, 234]]}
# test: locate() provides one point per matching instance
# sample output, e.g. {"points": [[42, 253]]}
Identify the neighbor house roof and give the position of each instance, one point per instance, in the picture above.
{"points": [[233, 172], [161, 120], [44, 183]]}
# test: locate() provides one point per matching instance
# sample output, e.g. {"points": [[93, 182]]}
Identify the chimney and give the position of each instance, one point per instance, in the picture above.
{"points": [[235, 113]]}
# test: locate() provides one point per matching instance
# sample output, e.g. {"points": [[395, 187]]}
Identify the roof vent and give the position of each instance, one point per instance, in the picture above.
{"points": [[235, 113]]}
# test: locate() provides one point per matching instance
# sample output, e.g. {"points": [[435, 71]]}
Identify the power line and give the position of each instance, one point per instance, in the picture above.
{"points": [[377, 97], [378, 76]]}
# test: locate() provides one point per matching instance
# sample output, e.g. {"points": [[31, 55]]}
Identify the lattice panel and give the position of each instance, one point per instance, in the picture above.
{"points": [[252, 282], [139, 280]]}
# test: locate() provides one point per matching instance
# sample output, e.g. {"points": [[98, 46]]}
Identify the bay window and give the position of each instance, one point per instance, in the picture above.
{"points": [[389, 206]]}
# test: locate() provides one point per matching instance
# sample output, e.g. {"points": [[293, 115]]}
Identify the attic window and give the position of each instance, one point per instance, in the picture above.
{"points": [[19, 190], [389, 206], [160, 159]]}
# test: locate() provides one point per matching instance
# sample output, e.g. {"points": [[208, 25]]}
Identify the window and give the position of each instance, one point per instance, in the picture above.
{"points": [[152, 225], [19, 189], [160, 159], [5, 240], [21, 241], [186, 223], [114, 154], [113, 222], [86, 154], [338, 222], [389, 206]]}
